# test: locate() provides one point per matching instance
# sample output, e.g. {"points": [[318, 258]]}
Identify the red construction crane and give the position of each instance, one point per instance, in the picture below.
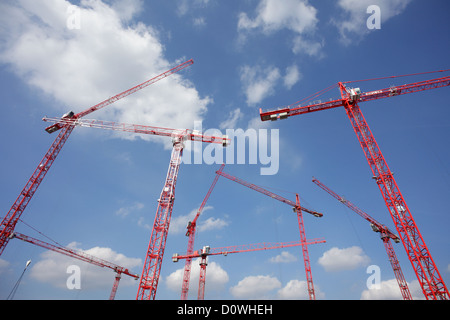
{"points": [[432, 284], [191, 229], [12, 217], [207, 251], [152, 266], [386, 236], [298, 209], [80, 255]]}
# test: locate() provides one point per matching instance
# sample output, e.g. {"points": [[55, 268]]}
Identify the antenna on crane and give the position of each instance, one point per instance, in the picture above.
{"points": [[16, 286]]}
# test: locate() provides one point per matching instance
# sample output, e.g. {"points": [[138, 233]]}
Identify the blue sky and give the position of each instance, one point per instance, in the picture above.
{"points": [[101, 192]]}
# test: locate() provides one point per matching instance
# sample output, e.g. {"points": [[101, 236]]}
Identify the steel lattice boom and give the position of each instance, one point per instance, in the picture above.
{"points": [[386, 236], [183, 134], [298, 209], [190, 233], [207, 251], [433, 286], [12, 217], [80, 255], [152, 266], [268, 193]]}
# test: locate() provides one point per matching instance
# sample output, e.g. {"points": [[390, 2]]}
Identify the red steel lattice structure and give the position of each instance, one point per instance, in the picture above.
{"points": [[386, 236], [152, 267], [207, 251], [190, 233], [298, 209], [12, 217], [433, 286], [80, 255]]}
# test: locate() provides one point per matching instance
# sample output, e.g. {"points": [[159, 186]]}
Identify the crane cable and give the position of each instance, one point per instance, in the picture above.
{"points": [[400, 76], [14, 289], [54, 241]]}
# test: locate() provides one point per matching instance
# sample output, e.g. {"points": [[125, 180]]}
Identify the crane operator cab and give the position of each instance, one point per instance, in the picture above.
{"points": [[68, 115], [355, 94]]}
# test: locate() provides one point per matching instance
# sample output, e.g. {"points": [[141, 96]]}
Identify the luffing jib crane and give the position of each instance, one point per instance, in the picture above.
{"points": [[80, 255], [207, 251], [298, 209], [427, 273], [190, 233], [386, 236], [155, 252], [12, 217]]}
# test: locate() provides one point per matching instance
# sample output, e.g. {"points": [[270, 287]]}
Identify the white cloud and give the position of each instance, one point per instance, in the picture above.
{"points": [[52, 268], [212, 224], [232, 120], [4, 266], [297, 16], [294, 290], [284, 257], [216, 278], [337, 259], [178, 223], [199, 22], [185, 5], [352, 25], [389, 290], [292, 76], [255, 287], [259, 82], [309, 47], [107, 55], [256, 123], [125, 211], [298, 290], [127, 9]]}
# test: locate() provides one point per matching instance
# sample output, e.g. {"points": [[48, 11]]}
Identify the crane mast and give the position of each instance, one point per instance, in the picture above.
{"points": [[15, 212], [80, 255], [207, 251], [190, 233], [386, 237], [155, 252], [301, 226], [298, 209], [10, 220], [433, 286], [152, 267]]}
